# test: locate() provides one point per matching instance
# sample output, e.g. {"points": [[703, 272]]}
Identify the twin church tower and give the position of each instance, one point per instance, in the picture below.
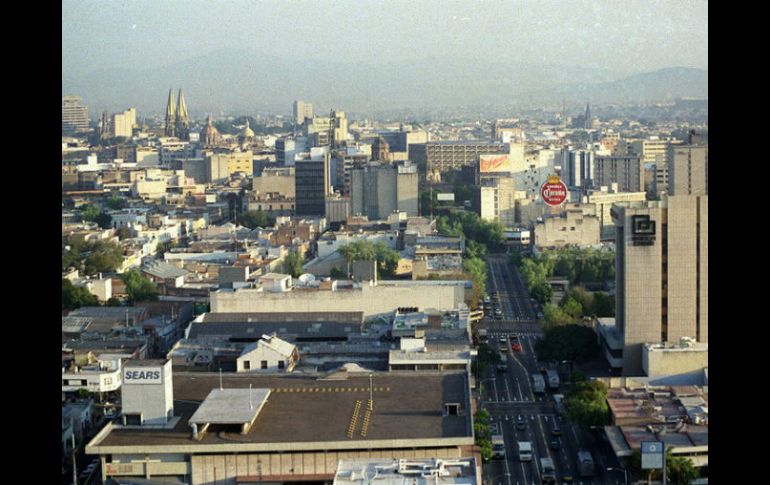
{"points": [[177, 119]]}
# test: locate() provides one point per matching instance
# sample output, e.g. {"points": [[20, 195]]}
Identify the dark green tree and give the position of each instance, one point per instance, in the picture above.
{"points": [[604, 305], [337, 273], [292, 264], [103, 257], [572, 308], [123, 233], [115, 202], [138, 287], [568, 342], [73, 297], [587, 403], [254, 219]]}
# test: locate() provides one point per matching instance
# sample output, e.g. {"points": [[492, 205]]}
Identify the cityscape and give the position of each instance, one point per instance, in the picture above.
{"points": [[419, 258]]}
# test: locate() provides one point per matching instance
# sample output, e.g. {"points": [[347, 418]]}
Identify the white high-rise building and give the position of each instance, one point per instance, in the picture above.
{"points": [[74, 116], [302, 111]]}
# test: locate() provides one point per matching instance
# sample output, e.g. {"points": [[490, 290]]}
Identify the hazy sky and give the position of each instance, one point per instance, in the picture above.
{"points": [[625, 36]]}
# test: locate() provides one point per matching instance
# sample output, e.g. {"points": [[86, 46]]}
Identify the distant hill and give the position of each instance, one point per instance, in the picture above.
{"points": [[247, 81]]}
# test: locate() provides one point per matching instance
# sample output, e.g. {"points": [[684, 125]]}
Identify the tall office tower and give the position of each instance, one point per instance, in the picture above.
{"points": [[661, 274], [311, 180], [74, 116], [626, 171], [170, 127], [123, 123], [379, 189], [578, 167], [302, 111], [688, 170], [589, 122], [182, 120]]}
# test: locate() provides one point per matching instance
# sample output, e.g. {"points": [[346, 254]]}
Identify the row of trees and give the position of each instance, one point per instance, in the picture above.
{"points": [[255, 219], [483, 434]]}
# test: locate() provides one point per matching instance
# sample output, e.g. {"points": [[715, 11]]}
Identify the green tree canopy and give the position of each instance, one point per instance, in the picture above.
{"points": [[116, 202], [587, 403], [138, 287], [254, 219], [292, 264], [102, 257], [73, 297], [568, 342], [387, 258]]}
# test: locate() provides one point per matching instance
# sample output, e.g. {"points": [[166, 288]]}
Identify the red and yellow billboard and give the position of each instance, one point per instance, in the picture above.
{"points": [[495, 163]]}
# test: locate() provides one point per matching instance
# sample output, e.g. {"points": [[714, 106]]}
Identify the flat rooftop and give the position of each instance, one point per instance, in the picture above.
{"points": [[302, 410]]}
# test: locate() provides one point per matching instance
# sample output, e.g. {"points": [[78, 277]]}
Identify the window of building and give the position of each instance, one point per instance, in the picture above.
{"points": [[246, 364], [452, 409], [264, 364], [83, 382], [281, 364]]}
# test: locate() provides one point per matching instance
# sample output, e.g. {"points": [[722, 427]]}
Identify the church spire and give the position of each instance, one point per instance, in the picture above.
{"points": [[170, 114], [589, 123], [182, 120]]}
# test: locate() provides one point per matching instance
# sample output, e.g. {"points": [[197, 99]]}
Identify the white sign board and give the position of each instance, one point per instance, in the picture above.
{"points": [[143, 375], [450, 197], [652, 455]]}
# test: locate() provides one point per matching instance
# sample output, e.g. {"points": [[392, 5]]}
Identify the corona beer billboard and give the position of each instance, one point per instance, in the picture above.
{"points": [[554, 192], [495, 163]]}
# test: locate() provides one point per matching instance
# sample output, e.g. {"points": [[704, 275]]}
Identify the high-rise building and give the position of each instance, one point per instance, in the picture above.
{"points": [[182, 120], [311, 186], [589, 122], [379, 189], [688, 170], [122, 124], [661, 274], [495, 199], [339, 129], [302, 111], [170, 126], [74, 116], [626, 171], [578, 167]]}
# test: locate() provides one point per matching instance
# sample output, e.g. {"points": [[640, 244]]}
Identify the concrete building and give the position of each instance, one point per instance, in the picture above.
{"points": [[626, 171], [219, 166], [338, 208], [661, 274], [147, 393], [74, 116], [279, 180], [227, 433], [688, 170], [577, 168], [378, 299], [377, 190], [675, 359], [577, 225], [495, 199], [269, 354], [603, 199], [422, 471], [444, 156], [302, 111], [123, 124]]}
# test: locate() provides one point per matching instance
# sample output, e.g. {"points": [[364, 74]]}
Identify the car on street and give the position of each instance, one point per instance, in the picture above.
{"points": [[556, 431], [520, 423], [515, 344], [555, 444]]}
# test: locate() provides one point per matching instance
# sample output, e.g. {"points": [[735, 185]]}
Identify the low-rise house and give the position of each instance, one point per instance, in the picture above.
{"points": [[269, 354]]}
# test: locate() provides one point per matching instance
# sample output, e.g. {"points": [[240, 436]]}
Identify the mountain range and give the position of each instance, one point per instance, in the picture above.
{"points": [[248, 81]]}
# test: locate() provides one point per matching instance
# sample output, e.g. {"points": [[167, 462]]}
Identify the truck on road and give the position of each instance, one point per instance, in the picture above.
{"points": [[553, 379], [538, 384], [525, 450], [585, 463], [503, 365], [547, 471], [498, 446]]}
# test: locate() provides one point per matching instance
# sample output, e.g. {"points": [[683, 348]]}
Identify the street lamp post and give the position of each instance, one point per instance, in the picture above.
{"points": [[625, 474]]}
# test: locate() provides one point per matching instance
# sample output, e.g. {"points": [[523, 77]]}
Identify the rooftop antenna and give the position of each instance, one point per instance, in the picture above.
{"points": [[221, 388]]}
